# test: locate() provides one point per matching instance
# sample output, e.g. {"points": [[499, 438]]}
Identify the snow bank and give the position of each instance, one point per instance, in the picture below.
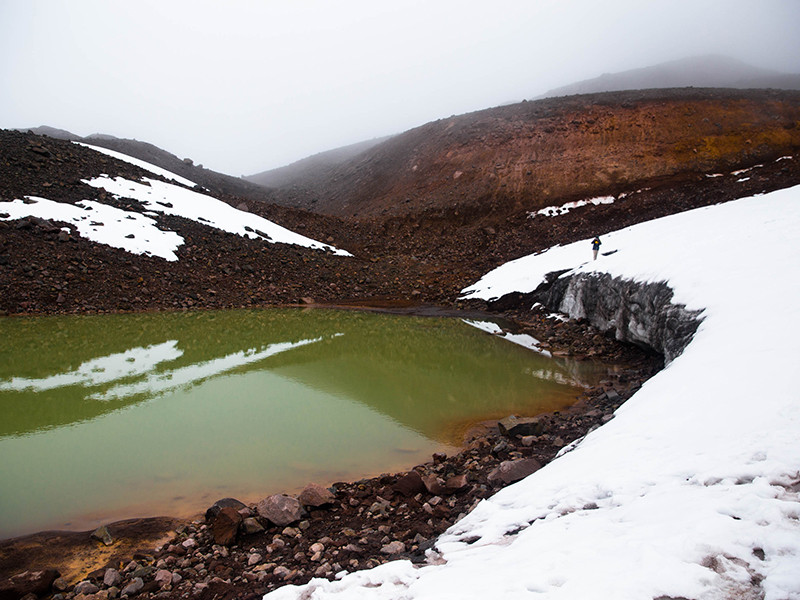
{"points": [[693, 489], [156, 170], [139, 234], [127, 230], [158, 196]]}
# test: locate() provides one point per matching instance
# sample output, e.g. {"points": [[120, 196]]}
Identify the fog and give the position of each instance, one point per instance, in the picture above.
{"points": [[242, 86]]}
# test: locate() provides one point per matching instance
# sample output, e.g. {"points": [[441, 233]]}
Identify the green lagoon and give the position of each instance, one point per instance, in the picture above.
{"points": [[117, 416]]}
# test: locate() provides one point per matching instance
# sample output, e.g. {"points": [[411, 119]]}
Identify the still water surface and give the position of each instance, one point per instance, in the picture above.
{"points": [[111, 417]]}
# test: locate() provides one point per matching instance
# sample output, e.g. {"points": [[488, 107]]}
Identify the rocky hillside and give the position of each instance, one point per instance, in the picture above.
{"points": [[424, 214], [218, 183], [526, 156], [698, 71], [316, 167]]}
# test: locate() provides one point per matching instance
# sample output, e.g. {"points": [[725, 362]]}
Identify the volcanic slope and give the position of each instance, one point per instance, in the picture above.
{"points": [[533, 154], [424, 214]]}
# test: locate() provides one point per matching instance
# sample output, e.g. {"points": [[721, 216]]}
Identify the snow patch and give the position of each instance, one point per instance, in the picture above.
{"points": [[100, 223], [156, 170], [554, 211], [160, 197], [693, 489]]}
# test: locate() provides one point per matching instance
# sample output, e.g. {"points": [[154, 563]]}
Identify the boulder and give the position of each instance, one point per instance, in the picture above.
{"points": [[102, 534], [112, 578], [29, 582], [510, 471], [280, 509], [251, 526], [315, 495], [512, 426], [214, 509], [225, 525], [409, 484], [134, 587], [434, 484]]}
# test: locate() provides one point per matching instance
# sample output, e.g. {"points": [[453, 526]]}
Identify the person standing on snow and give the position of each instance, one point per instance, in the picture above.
{"points": [[595, 247]]}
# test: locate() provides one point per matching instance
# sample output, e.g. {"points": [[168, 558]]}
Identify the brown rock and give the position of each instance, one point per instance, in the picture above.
{"points": [[280, 509], [510, 471], [409, 484], [225, 525], [29, 582], [512, 426], [315, 495]]}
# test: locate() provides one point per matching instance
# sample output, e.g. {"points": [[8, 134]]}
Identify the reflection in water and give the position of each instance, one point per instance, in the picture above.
{"points": [[127, 415]]}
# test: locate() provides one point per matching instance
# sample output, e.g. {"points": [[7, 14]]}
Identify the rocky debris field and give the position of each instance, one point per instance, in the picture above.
{"points": [[241, 551], [424, 258]]}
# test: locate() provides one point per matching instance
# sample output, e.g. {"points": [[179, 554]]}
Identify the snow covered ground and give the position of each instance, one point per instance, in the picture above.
{"points": [[693, 489], [138, 232]]}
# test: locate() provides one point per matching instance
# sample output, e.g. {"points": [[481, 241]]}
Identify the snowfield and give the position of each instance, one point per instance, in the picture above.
{"points": [[137, 232], [693, 489]]}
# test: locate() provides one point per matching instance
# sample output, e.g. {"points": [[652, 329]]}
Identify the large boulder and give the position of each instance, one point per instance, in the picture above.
{"points": [[510, 471], [225, 525], [280, 509], [37, 583], [512, 426], [315, 495], [409, 484], [214, 509]]}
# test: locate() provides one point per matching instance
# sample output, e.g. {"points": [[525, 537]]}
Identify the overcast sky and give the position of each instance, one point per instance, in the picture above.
{"points": [[242, 86]]}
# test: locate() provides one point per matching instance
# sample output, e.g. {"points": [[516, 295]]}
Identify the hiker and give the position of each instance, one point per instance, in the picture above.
{"points": [[595, 247]]}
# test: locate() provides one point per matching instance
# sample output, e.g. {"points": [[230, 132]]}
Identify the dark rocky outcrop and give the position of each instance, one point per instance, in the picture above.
{"points": [[639, 313]]}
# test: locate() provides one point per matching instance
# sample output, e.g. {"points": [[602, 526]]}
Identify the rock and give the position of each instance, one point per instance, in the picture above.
{"points": [[251, 526], [112, 578], [225, 525], [315, 495], [101, 533], [512, 426], [214, 509], [254, 559], [163, 578], [456, 483], [280, 509], [395, 547], [134, 587], [510, 471], [85, 587], [28, 582], [434, 484], [409, 484]]}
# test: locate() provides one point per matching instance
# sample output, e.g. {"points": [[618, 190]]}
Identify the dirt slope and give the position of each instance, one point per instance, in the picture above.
{"points": [[431, 233], [533, 154]]}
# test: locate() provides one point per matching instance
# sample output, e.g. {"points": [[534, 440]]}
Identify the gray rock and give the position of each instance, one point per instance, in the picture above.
{"points": [[394, 547], [251, 526], [134, 587], [102, 534], [163, 578], [112, 578], [510, 471], [280, 509], [639, 313], [85, 587]]}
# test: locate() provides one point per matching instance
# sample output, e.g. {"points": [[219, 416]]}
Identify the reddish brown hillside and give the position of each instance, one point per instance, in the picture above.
{"points": [[534, 154]]}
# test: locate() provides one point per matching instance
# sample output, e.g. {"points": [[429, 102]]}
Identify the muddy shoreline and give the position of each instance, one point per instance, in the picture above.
{"points": [[362, 524]]}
